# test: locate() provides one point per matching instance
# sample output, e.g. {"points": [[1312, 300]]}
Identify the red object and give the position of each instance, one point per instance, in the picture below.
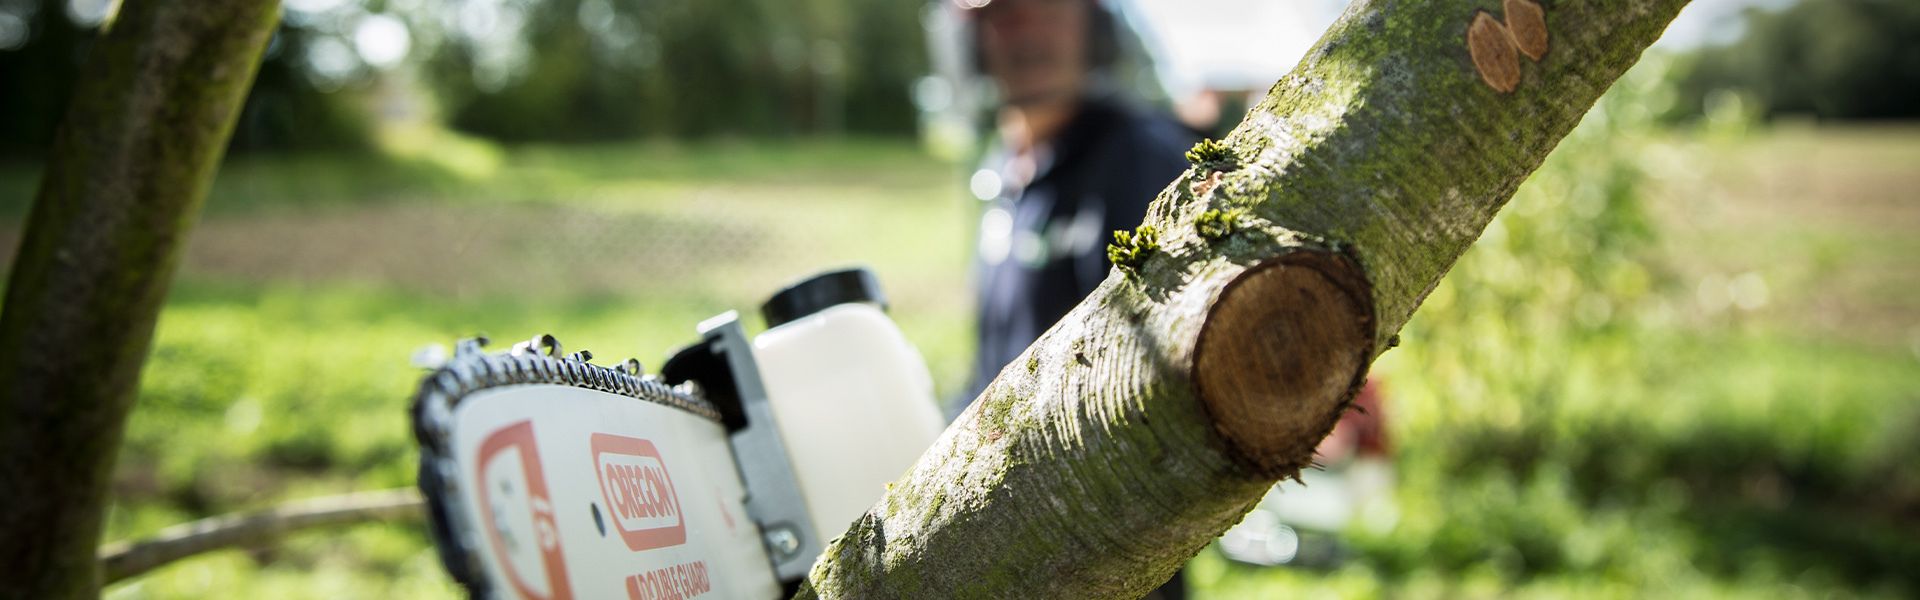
{"points": [[639, 493], [1362, 431]]}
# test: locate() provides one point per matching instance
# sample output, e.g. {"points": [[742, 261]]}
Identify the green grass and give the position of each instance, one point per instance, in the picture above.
{"points": [[1753, 460], [1573, 415], [280, 368]]}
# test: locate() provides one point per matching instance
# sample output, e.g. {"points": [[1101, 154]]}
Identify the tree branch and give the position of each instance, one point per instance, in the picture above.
{"points": [[121, 560], [125, 177], [1212, 361]]}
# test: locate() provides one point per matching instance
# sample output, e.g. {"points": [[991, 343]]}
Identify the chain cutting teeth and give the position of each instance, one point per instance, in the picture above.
{"points": [[539, 360], [535, 361], [469, 347], [538, 343]]}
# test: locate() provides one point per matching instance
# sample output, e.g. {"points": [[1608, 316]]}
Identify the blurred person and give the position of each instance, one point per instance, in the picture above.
{"points": [[1073, 161]]}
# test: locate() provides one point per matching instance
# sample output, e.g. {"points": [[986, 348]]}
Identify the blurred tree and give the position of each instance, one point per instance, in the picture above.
{"points": [[888, 55], [530, 70], [127, 171], [293, 108], [38, 67], [1833, 59], [44, 42], [610, 69]]}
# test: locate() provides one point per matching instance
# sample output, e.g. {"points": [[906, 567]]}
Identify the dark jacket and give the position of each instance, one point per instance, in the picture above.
{"points": [[1043, 246]]}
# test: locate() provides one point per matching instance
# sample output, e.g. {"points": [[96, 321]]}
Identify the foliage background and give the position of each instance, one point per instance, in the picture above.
{"points": [[1833, 59]]}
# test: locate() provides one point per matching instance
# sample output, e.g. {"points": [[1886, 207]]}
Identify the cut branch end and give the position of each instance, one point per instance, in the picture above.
{"points": [[1284, 346]]}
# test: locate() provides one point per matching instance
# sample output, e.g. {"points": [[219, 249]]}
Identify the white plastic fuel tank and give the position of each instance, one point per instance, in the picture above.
{"points": [[852, 397]]}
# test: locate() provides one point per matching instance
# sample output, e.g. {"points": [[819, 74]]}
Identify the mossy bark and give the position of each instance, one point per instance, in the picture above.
{"points": [[1163, 407], [124, 181]]}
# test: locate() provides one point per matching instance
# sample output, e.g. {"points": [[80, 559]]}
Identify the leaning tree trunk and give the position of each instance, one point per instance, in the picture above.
{"points": [[124, 180], [1241, 318]]}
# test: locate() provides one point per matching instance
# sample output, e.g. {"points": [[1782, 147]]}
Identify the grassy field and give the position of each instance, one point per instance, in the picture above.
{"points": [[281, 366], [1683, 363]]}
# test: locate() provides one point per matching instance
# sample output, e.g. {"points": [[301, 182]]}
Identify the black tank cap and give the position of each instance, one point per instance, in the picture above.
{"points": [[820, 292]]}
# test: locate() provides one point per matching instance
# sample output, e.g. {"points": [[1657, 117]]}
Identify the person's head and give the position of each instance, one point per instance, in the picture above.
{"points": [[1038, 51]]}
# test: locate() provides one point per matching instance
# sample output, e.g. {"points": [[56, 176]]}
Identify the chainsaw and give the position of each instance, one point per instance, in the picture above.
{"points": [[550, 477]]}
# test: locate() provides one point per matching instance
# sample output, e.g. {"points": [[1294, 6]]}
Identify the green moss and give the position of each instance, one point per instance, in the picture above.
{"points": [[995, 416], [1215, 224], [933, 506], [1033, 364], [1213, 155], [1130, 249]]}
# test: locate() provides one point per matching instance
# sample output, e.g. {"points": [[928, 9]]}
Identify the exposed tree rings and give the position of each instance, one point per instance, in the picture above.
{"points": [[1493, 53], [1282, 348], [1527, 23]]}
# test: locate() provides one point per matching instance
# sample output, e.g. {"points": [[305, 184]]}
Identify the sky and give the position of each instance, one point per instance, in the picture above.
{"points": [[1250, 43]]}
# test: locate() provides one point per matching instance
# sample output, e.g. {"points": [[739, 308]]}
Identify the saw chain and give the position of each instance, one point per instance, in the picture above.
{"points": [[658, 485]]}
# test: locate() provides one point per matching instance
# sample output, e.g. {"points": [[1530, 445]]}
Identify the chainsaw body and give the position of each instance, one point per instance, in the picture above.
{"points": [[548, 477]]}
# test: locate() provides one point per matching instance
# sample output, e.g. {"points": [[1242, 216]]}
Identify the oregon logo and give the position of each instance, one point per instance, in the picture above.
{"points": [[638, 492]]}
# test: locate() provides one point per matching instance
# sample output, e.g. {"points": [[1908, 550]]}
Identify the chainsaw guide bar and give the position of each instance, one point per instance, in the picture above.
{"points": [[550, 477]]}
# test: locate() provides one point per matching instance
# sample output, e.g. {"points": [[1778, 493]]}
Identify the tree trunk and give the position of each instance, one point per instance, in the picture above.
{"points": [[1221, 350], [123, 183]]}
